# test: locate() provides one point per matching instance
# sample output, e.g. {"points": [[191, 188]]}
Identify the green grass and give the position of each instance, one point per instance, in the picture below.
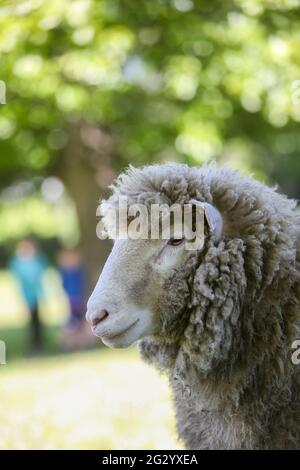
{"points": [[100, 399], [17, 340]]}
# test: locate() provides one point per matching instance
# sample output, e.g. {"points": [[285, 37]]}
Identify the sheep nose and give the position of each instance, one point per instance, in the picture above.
{"points": [[96, 317]]}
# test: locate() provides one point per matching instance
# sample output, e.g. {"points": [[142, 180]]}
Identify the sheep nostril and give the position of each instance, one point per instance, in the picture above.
{"points": [[101, 316]]}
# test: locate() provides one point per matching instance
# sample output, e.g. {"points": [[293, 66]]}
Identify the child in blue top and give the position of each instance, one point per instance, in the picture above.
{"points": [[28, 266]]}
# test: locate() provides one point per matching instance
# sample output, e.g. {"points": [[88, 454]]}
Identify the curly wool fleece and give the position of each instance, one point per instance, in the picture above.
{"points": [[229, 317]]}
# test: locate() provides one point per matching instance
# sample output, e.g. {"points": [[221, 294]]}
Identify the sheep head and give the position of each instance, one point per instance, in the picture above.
{"points": [[143, 288], [208, 304]]}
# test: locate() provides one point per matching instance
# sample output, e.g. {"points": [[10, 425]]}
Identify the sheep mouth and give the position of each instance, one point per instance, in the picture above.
{"points": [[119, 335]]}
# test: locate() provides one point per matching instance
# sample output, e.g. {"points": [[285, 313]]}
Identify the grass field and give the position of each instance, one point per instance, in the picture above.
{"points": [[99, 399]]}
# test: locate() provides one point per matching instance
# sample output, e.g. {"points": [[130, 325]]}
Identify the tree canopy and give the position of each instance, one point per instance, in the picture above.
{"points": [[185, 80]]}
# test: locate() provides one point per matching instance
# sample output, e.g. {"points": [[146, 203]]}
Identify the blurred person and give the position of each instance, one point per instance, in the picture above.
{"points": [[75, 334], [28, 266], [73, 280]]}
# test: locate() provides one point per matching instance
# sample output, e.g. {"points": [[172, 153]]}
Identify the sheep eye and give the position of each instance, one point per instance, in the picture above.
{"points": [[175, 241]]}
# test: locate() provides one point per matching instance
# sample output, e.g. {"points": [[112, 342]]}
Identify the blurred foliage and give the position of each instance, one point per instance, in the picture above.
{"points": [[32, 214], [179, 80]]}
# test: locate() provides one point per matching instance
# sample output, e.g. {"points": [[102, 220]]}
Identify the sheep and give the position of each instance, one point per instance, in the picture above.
{"points": [[219, 321]]}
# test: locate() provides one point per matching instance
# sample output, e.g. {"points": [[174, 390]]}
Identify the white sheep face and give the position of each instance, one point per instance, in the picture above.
{"points": [[123, 307]]}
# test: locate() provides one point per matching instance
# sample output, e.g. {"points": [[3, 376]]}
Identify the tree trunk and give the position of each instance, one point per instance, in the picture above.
{"points": [[86, 169]]}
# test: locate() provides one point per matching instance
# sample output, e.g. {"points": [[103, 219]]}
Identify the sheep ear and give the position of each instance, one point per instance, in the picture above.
{"points": [[213, 218]]}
